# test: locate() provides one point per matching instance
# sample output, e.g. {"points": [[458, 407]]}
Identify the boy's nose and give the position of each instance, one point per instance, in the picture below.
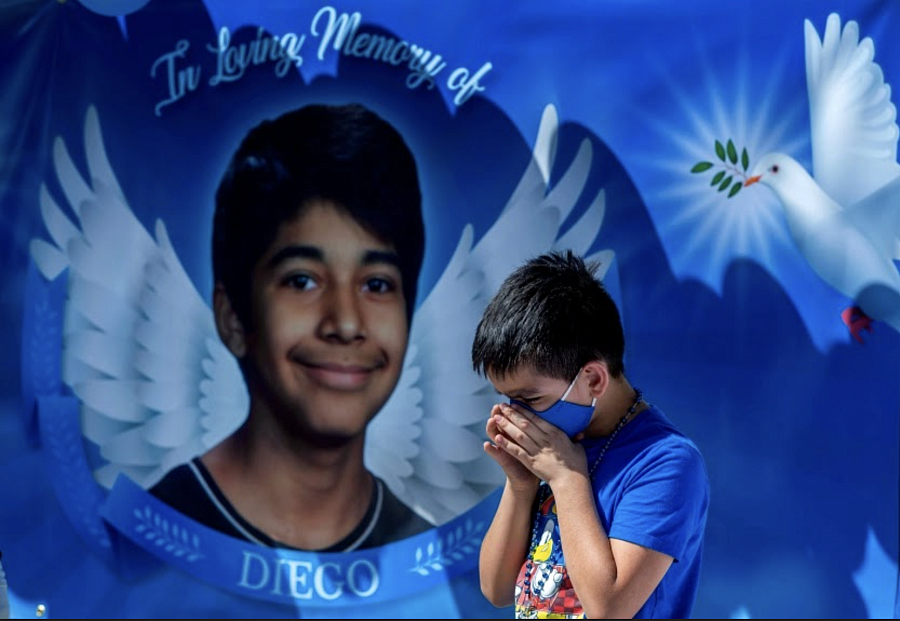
{"points": [[343, 320]]}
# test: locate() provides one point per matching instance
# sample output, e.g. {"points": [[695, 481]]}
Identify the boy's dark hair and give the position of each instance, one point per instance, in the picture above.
{"points": [[551, 314], [342, 153]]}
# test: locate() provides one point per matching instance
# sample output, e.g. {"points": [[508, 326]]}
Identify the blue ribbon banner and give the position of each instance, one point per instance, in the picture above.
{"points": [[370, 576]]}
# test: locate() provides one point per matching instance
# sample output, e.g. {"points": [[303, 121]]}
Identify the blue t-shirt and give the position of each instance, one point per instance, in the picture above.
{"points": [[651, 489]]}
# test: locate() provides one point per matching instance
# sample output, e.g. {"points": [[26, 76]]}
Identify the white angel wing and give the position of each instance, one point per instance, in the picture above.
{"points": [[140, 349], [426, 443], [853, 121]]}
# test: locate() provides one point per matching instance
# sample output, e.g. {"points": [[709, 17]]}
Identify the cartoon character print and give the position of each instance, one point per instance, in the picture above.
{"points": [[548, 594]]}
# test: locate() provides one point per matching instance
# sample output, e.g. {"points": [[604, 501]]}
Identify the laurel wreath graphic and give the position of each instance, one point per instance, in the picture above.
{"points": [[175, 540], [449, 549]]}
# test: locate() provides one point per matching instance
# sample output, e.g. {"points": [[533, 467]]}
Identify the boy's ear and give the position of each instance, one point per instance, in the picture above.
{"points": [[598, 377], [230, 328]]}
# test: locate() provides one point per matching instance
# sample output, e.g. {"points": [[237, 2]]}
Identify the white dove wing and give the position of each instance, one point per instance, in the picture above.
{"points": [[878, 216], [853, 121], [845, 258], [426, 443], [140, 350]]}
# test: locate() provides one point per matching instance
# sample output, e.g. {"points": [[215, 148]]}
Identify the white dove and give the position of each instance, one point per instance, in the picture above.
{"points": [[845, 219], [157, 387]]}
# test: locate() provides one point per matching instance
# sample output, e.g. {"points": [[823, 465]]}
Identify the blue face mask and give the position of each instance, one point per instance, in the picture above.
{"points": [[570, 417]]}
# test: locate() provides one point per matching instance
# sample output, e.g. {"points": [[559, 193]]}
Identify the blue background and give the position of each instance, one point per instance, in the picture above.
{"points": [[728, 329]]}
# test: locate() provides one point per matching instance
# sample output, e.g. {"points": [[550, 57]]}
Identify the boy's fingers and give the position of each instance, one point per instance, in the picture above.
{"points": [[505, 425], [521, 419], [520, 412], [494, 452], [491, 425], [503, 443], [513, 434], [511, 412]]}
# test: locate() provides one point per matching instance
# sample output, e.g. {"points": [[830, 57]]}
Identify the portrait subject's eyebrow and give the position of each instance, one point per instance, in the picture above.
{"points": [[300, 251], [296, 251], [374, 257]]}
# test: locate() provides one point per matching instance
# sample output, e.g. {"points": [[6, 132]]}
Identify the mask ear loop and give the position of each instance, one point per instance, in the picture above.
{"points": [[572, 385]]}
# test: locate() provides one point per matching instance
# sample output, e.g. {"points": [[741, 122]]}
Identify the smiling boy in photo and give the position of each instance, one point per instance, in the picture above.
{"points": [[317, 246]]}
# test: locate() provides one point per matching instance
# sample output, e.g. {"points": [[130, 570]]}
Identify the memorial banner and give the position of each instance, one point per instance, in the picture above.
{"points": [[732, 166]]}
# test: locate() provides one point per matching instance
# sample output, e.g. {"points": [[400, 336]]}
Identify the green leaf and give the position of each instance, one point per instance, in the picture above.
{"points": [[745, 159], [725, 183], [700, 167], [735, 189], [717, 178], [732, 152], [720, 150]]}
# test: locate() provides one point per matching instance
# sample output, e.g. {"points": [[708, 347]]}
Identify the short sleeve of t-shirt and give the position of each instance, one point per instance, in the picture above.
{"points": [[663, 498]]}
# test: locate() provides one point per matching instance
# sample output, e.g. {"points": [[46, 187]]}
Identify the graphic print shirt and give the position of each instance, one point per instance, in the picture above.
{"points": [[543, 588], [652, 490]]}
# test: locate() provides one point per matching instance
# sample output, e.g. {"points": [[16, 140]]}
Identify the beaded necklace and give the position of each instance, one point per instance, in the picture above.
{"points": [[544, 493]]}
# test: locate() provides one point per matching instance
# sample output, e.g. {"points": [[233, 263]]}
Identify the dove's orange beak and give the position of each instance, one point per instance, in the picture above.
{"points": [[752, 180]]}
